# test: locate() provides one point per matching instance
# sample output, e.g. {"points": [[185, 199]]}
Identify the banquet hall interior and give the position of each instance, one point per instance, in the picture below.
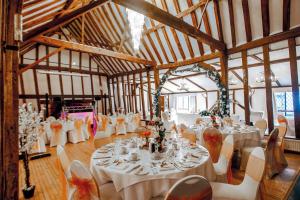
{"points": [[150, 99]]}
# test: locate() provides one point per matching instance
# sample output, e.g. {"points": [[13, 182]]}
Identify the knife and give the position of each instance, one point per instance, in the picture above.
{"points": [[133, 169]]}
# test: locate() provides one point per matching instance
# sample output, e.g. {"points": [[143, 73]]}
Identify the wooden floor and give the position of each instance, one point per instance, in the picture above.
{"points": [[46, 176]]}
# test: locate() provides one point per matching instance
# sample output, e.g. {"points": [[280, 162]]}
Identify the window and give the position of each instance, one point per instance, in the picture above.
{"points": [[183, 103], [284, 103]]}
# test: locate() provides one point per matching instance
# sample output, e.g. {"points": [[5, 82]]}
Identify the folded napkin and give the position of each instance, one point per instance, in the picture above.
{"points": [[103, 162], [120, 167], [134, 167], [141, 171]]}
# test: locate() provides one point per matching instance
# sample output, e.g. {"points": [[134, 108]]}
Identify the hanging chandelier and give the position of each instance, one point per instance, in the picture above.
{"points": [[136, 23]]}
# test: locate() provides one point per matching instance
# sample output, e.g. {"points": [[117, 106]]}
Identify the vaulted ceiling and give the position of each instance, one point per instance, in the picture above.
{"points": [[229, 22]]}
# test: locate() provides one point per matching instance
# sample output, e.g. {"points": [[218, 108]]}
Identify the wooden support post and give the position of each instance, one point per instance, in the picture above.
{"points": [[22, 82], [129, 95], [224, 72], [36, 86], [268, 82], [149, 93], [114, 94], [295, 83], [109, 96], [80, 67], [206, 100], [246, 87], [233, 99], [134, 94], [60, 76], [156, 83], [70, 65], [9, 127], [118, 92], [124, 93], [48, 75], [142, 95]]}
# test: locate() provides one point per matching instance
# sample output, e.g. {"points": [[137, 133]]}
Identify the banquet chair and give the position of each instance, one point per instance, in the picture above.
{"points": [[282, 132], [199, 121], [104, 129], [187, 133], [212, 138], [190, 187], [120, 125], [50, 119], [85, 128], [58, 136], [248, 189], [262, 125], [134, 124], [227, 121], [84, 187], [39, 145], [63, 164], [76, 135], [223, 166], [168, 124]]}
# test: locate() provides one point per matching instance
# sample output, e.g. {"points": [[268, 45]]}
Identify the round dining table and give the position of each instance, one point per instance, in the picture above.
{"points": [[150, 174]]}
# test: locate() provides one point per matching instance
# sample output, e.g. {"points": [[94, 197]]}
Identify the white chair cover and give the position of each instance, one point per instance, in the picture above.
{"points": [[120, 125], [248, 189], [134, 124], [76, 135], [64, 164], [51, 119], [168, 124], [104, 129], [39, 146], [191, 187], [223, 166], [262, 125], [58, 136]]}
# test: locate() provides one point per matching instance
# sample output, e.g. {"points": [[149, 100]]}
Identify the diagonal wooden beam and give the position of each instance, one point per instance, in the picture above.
{"points": [[29, 66], [196, 84], [91, 49], [168, 19], [52, 25]]}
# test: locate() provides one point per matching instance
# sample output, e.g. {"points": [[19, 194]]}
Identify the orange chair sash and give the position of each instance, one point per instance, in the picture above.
{"points": [[85, 188], [213, 142]]}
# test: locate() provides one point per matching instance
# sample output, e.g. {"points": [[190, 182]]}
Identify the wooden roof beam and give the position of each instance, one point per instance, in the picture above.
{"points": [[52, 25], [91, 49], [168, 19]]}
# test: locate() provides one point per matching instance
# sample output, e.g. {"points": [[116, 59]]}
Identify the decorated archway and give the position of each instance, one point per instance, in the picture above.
{"points": [[222, 108]]}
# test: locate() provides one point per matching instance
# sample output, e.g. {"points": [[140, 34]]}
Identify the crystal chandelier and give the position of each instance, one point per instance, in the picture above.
{"points": [[136, 23]]}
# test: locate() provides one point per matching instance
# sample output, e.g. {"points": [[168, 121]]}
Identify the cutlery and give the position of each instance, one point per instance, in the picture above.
{"points": [[102, 157], [137, 166]]}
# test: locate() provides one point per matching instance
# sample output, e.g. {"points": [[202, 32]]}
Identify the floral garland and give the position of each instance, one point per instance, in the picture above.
{"points": [[223, 108]]}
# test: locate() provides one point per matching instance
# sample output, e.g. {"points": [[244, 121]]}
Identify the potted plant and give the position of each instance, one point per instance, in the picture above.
{"points": [[28, 124]]}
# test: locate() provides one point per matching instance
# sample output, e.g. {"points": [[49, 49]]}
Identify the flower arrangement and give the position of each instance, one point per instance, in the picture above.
{"points": [[213, 121], [29, 122], [147, 135]]}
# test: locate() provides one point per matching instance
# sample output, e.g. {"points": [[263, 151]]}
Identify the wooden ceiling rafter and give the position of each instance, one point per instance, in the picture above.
{"points": [[174, 33], [232, 23], [207, 25], [186, 37], [247, 22], [195, 24], [74, 30], [218, 19], [196, 84], [265, 17], [54, 24], [38, 8], [286, 15], [157, 14]]}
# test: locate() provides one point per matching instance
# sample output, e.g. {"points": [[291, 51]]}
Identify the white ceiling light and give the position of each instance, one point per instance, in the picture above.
{"points": [[261, 78], [63, 73], [183, 85], [136, 23]]}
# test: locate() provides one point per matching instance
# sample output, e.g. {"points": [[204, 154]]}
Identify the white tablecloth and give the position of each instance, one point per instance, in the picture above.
{"points": [[131, 186], [242, 137]]}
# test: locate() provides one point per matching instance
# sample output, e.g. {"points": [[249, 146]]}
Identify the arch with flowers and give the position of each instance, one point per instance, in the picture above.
{"points": [[222, 109]]}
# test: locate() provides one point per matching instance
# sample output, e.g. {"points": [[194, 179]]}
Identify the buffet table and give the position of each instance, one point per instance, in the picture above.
{"points": [[147, 177]]}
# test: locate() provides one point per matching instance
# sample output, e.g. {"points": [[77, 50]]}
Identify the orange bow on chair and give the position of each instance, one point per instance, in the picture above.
{"points": [[86, 189], [213, 142]]}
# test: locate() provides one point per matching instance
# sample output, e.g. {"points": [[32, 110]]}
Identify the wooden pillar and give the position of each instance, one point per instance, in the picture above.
{"points": [[118, 92], [36, 85], [109, 96], [268, 85], [124, 93], [233, 100], [142, 95], [224, 72], [246, 87], [113, 90], [134, 93], [129, 95], [295, 83], [149, 94], [156, 83], [60, 76], [48, 75], [9, 63]]}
